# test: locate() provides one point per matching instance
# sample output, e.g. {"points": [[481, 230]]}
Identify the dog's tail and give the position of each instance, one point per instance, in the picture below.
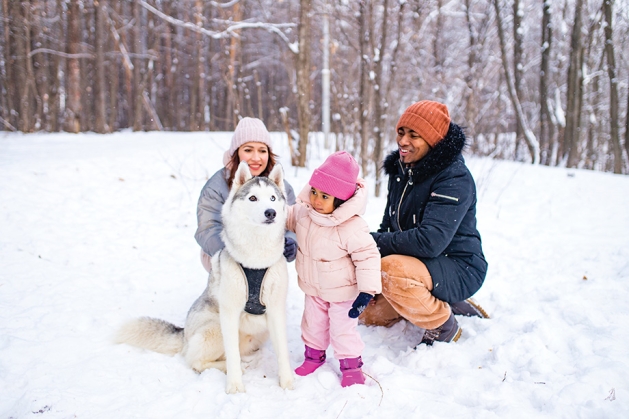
{"points": [[153, 334]]}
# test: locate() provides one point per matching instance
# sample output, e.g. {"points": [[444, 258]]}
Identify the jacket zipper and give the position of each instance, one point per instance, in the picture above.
{"points": [[410, 177], [444, 196]]}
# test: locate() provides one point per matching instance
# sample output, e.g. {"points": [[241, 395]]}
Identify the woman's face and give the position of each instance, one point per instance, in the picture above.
{"points": [[256, 155], [321, 201], [412, 147]]}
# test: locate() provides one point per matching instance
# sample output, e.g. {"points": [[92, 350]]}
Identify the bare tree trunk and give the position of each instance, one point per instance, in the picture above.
{"points": [[518, 55], [575, 91], [198, 85], [363, 91], [437, 52], [256, 79], [114, 87], [546, 127], [627, 128], [531, 141], [470, 108], [168, 94], [138, 70], [24, 78], [303, 80], [233, 101], [293, 156], [380, 98], [7, 89], [613, 86], [86, 67], [73, 87], [382, 121], [100, 110], [40, 65], [53, 73], [592, 155]]}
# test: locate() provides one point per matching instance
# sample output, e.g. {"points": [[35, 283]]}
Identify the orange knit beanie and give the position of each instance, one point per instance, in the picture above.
{"points": [[429, 119]]}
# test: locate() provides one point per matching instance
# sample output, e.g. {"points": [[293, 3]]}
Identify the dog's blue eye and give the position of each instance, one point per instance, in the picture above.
{"points": [[253, 198], [273, 198]]}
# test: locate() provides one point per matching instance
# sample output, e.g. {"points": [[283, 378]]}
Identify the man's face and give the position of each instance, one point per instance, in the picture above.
{"points": [[412, 147]]}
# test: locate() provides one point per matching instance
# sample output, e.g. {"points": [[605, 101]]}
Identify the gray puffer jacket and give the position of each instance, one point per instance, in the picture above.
{"points": [[209, 222]]}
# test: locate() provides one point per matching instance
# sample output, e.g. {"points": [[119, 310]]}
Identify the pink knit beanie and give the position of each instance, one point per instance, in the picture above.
{"points": [[247, 130], [336, 176], [431, 120]]}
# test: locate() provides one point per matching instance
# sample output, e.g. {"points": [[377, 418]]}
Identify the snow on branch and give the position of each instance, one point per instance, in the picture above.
{"points": [[60, 53], [224, 5], [231, 30]]}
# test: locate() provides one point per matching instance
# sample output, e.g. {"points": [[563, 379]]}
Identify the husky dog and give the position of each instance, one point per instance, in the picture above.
{"points": [[245, 299]]}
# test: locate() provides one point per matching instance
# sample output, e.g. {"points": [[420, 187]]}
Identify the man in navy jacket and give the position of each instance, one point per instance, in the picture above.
{"points": [[432, 259]]}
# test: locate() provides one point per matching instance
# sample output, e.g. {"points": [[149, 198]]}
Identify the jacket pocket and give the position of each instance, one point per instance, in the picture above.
{"points": [[335, 274]]}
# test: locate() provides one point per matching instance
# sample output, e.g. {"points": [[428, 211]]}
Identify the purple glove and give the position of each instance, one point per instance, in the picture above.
{"points": [[359, 304], [290, 249]]}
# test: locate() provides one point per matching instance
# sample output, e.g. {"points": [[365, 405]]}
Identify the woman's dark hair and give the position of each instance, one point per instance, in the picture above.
{"points": [[232, 166]]}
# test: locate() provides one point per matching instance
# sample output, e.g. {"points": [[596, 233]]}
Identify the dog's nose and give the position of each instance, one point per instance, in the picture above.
{"points": [[270, 214]]}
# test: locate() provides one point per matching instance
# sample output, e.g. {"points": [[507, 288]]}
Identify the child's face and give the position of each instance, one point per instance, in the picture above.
{"points": [[321, 201]]}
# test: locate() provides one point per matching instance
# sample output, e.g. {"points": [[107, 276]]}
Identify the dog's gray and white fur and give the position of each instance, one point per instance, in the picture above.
{"points": [[218, 331]]}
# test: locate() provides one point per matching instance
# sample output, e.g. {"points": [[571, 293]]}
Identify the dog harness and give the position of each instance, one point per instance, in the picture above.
{"points": [[255, 277]]}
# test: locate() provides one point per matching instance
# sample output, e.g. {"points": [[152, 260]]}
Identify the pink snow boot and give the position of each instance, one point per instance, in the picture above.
{"points": [[314, 359], [352, 374]]}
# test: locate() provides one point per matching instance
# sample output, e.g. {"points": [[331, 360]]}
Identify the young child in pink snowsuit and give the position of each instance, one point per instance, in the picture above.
{"points": [[338, 264]]}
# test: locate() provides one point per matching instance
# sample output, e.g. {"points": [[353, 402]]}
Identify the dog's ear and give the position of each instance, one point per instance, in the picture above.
{"points": [[242, 175], [277, 177]]}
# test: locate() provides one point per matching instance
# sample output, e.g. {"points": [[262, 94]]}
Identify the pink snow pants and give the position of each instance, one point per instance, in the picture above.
{"points": [[325, 323]]}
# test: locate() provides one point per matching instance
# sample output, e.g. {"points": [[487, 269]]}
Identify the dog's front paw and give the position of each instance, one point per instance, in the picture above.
{"points": [[286, 382], [234, 387]]}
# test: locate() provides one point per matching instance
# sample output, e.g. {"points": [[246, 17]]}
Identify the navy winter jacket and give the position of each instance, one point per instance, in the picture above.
{"points": [[431, 215]]}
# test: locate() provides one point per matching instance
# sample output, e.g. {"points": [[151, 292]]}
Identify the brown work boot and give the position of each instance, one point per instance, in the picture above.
{"points": [[469, 308], [450, 331]]}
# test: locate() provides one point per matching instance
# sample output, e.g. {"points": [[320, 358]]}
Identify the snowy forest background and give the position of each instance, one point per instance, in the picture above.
{"points": [[535, 81]]}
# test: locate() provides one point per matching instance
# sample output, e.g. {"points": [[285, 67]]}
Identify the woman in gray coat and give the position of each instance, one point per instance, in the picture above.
{"points": [[251, 143]]}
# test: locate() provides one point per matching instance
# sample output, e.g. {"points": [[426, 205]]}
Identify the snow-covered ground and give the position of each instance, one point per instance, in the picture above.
{"points": [[95, 230]]}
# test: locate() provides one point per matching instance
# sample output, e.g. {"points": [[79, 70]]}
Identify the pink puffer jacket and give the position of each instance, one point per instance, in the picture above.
{"points": [[337, 257]]}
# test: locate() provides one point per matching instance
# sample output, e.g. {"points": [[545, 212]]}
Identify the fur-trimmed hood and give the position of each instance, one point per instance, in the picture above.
{"points": [[446, 152]]}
